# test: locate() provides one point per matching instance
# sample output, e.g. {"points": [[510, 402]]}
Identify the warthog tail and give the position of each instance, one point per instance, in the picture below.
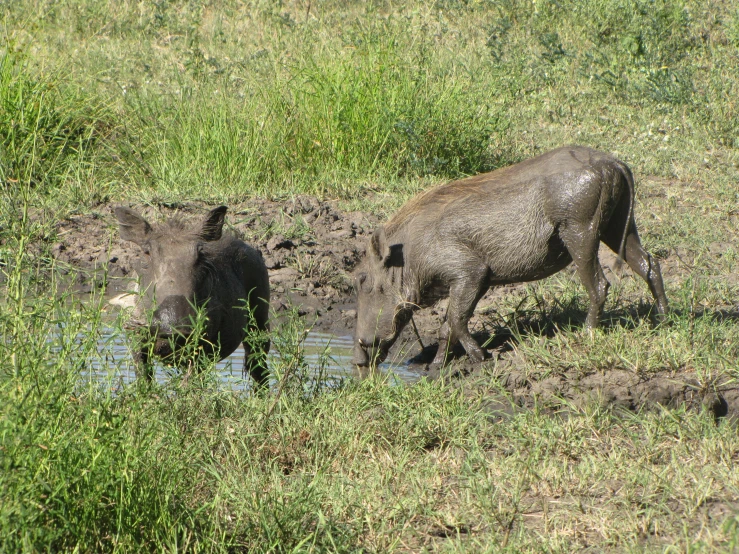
{"points": [[629, 217]]}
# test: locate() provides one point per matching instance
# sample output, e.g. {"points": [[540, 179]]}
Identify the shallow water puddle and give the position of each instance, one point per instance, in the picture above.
{"points": [[332, 353]]}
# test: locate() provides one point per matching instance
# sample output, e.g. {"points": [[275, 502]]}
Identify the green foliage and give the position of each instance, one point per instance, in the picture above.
{"points": [[93, 465], [220, 101], [51, 138], [371, 109]]}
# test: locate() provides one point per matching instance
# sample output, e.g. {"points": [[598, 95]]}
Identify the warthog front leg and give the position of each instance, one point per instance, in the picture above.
{"points": [[464, 294], [142, 364], [255, 362]]}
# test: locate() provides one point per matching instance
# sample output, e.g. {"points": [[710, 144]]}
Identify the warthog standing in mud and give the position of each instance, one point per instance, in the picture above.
{"points": [[519, 223], [189, 268]]}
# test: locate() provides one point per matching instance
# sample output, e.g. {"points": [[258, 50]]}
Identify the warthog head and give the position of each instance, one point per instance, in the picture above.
{"points": [[383, 306], [176, 272]]}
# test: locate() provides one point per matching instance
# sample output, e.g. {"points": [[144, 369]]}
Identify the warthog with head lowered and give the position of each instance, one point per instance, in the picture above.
{"points": [[186, 268], [519, 223]]}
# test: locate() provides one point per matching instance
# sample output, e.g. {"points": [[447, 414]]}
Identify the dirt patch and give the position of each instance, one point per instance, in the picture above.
{"points": [[621, 389], [312, 246]]}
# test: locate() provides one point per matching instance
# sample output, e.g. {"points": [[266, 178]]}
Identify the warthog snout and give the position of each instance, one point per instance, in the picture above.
{"points": [[173, 315], [360, 356], [370, 352]]}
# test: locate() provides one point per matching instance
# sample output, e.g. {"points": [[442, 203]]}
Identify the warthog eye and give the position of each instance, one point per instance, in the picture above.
{"points": [[361, 281]]}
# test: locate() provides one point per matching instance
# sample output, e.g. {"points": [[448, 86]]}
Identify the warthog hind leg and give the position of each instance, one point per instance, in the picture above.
{"points": [[582, 244], [641, 263]]}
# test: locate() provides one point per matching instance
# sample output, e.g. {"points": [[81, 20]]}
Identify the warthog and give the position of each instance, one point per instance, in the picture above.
{"points": [[187, 268], [519, 223]]}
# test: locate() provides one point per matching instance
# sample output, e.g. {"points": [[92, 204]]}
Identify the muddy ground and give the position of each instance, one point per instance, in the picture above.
{"points": [[311, 248]]}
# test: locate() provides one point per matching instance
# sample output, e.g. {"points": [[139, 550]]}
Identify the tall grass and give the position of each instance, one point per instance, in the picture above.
{"points": [[94, 465], [54, 139], [374, 111], [224, 100]]}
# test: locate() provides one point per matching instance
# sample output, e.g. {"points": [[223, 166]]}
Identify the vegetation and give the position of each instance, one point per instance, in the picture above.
{"points": [[224, 99], [367, 102]]}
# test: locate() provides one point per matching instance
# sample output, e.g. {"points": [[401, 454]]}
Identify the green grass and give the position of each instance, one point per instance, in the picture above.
{"points": [[367, 102], [92, 466], [220, 101]]}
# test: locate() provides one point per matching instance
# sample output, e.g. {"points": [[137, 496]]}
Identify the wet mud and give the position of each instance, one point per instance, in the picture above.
{"points": [[312, 246], [614, 389]]}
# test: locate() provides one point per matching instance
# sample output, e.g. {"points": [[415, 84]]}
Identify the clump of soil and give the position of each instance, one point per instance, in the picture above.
{"points": [[311, 247]]}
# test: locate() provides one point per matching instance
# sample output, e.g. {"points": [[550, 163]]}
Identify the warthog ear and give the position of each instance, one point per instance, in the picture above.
{"points": [[212, 228], [132, 226], [389, 255], [395, 259]]}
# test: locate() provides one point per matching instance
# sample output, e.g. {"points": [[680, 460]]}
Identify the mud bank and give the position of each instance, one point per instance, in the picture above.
{"points": [[614, 389], [311, 248]]}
